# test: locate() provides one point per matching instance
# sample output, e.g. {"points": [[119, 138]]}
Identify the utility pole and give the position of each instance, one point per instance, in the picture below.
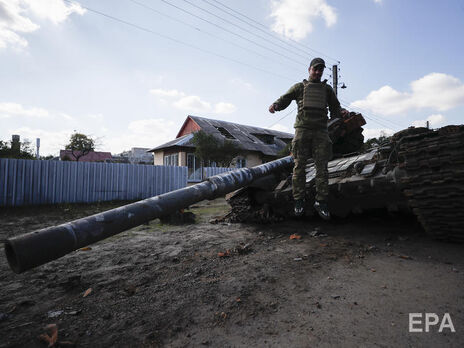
{"points": [[38, 148], [335, 78]]}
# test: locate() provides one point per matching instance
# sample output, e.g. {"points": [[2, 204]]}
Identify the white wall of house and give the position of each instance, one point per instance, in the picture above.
{"points": [[253, 159], [182, 158], [159, 156]]}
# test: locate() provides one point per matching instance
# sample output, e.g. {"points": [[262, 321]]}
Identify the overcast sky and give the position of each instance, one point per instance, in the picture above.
{"points": [[128, 72]]}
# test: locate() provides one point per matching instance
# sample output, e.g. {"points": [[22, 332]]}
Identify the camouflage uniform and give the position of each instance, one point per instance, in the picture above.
{"points": [[311, 139]]}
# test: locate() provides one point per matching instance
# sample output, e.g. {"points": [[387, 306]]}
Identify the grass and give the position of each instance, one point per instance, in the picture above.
{"points": [[206, 210]]}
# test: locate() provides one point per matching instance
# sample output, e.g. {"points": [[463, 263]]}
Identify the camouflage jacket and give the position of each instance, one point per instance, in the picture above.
{"points": [[314, 119]]}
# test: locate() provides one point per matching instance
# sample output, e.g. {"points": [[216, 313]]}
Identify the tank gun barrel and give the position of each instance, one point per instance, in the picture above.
{"points": [[39, 247]]}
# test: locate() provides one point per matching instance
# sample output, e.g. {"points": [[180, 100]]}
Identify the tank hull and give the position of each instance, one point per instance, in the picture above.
{"points": [[419, 171]]}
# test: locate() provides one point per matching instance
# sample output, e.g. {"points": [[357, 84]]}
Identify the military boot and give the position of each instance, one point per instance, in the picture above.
{"points": [[299, 207], [322, 209]]}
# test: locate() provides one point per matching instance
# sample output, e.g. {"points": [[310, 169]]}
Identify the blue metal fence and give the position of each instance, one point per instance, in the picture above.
{"points": [[210, 171], [29, 182]]}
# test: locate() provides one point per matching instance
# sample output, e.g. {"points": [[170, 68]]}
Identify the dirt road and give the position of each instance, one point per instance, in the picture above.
{"points": [[347, 283]]}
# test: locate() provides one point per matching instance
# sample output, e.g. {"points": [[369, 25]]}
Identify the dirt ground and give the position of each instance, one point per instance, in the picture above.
{"points": [[346, 283]]}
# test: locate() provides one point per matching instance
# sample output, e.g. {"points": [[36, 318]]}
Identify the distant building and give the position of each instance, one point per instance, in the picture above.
{"points": [[140, 155], [93, 156], [122, 157], [259, 145], [136, 155]]}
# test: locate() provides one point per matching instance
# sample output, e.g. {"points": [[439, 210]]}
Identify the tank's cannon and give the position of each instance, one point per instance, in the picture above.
{"points": [[36, 248]]}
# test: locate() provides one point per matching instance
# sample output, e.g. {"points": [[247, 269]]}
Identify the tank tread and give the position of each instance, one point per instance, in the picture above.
{"points": [[243, 209], [240, 203], [434, 182]]}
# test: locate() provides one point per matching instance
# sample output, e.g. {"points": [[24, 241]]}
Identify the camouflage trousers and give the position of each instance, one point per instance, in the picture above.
{"points": [[309, 143]]}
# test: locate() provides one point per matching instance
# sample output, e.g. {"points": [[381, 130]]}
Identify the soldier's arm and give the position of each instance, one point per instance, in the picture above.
{"points": [[334, 104], [286, 99]]}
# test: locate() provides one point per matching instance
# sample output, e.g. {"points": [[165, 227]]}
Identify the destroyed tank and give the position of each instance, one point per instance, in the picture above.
{"points": [[418, 171]]}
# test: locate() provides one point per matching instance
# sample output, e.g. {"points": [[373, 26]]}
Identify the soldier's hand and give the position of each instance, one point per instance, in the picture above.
{"points": [[272, 109]]}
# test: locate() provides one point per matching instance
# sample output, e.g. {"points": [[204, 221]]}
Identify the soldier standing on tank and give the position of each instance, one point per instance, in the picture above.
{"points": [[311, 134]]}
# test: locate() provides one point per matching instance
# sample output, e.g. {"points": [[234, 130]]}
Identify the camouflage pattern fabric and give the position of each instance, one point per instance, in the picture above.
{"points": [[309, 143]]}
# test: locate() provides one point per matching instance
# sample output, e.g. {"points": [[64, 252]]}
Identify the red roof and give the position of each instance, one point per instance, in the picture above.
{"points": [[93, 156]]}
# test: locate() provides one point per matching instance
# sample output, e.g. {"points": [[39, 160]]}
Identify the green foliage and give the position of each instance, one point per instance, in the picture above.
{"points": [[375, 142], [80, 145], [285, 151], [25, 150], [210, 149]]}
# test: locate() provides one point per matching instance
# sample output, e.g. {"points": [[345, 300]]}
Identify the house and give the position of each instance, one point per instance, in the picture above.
{"points": [[136, 155], [140, 155], [259, 145], [92, 156]]}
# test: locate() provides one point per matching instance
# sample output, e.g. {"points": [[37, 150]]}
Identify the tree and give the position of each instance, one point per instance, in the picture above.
{"points": [[286, 151], [209, 149], [80, 145], [376, 142], [24, 151]]}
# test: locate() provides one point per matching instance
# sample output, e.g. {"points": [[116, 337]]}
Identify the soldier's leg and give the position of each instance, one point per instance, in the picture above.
{"points": [[300, 151], [322, 152]]}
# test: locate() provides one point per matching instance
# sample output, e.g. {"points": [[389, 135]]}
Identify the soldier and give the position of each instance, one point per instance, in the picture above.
{"points": [[311, 134]]}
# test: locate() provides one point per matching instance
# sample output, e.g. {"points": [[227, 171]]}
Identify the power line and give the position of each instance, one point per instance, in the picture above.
{"points": [[212, 53], [343, 104], [241, 28], [205, 32], [394, 124], [253, 26], [176, 40], [233, 33], [262, 25], [265, 31], [280, 119], [368, 117], [260, 29], [347, 106]]}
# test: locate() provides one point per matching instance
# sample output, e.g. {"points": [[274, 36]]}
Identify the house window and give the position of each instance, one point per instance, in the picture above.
{"points": [[265, 138], [225, 132], [194, 168], [240, 162], [286, 140], [171, 160]]}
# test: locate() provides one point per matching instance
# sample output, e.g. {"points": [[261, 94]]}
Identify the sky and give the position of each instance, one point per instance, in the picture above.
{"points": [[129, 72]]}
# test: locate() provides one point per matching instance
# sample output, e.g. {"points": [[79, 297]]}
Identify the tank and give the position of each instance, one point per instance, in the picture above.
{"points": [[417, 171], [39, 247], [420, 171]]}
